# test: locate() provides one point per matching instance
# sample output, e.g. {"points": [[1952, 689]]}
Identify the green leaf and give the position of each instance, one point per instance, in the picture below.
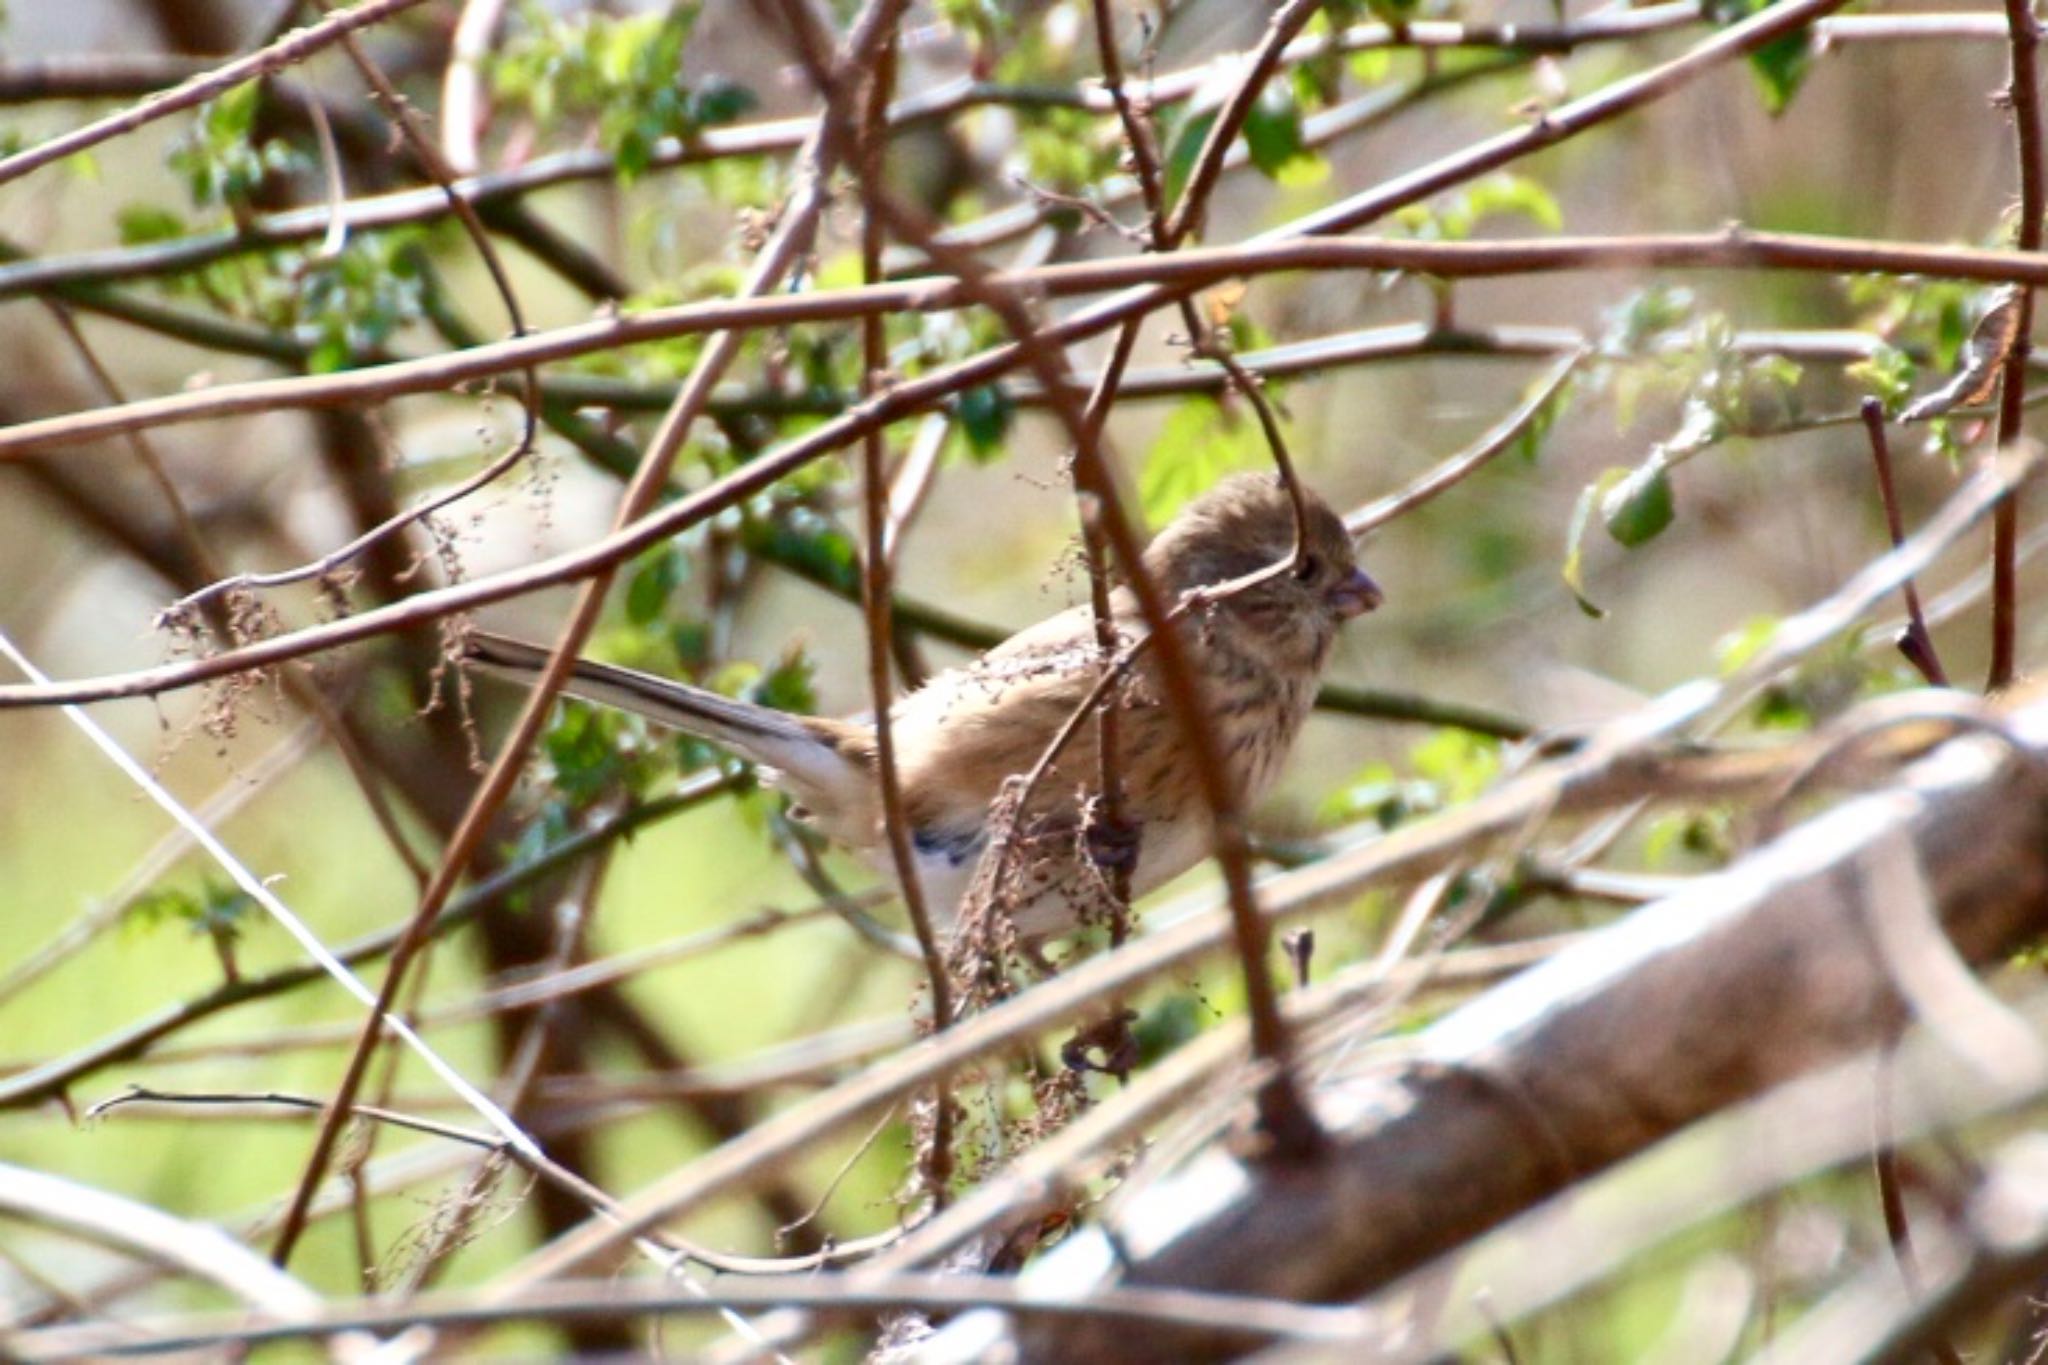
{"points": [[1459, 762], [623, 73], [144, 223], [1703, 834], [1166, 1026], [1953, 324], [1379, 794], [1742, 644], [161, 905], [789, 686], [982, 21], [218, 910], [1574, 566], [1643, 317], [984, 414], [1304, 172], [1780, 66], [593, 751], [633, 150], [1246, 333], [716, 100], [329, 355], [1065, 150], [232, 117], [1452, 217], [1886, 375], [1272, 129], [1198, 444], [1507, 196], [1180, 158], [661, 570], [1537, 429], [1372, 66], [1776, 371], [1451, 767], [691, 641], [1636, 506]]}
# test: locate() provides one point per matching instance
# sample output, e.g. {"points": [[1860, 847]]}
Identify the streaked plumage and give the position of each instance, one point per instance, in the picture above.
{"points": [[968, 731]]}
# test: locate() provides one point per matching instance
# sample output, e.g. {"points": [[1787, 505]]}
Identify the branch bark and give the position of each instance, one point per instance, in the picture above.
{"points": [[1787, 962]]}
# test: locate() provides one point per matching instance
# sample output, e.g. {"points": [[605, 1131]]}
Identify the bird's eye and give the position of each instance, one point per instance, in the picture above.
{"points": [[1310, 568]]}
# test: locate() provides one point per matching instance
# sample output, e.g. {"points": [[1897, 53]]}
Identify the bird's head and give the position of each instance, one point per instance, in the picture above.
{"points": [[1247, 523]]}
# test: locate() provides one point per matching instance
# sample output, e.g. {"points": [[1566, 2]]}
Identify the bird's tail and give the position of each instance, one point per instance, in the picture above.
{"points": [[821, 763]]}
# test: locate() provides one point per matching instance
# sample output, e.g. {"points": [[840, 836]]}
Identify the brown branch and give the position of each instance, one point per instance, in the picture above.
{"points": [[443, 175], [198, 556], [1250, 1322], [1144, 156], [500, 188], [462, 83], [770, 137], [98, 75], [1412, 708], [1150, 281], [2024, 92], [1451, 472], [552, 1173], [1187, 215], [1059, 1169], [1916, 644], [911, 395], [869, 149], [1898, 1229], [1608, 1049], [139, 1229], [287, 51]]}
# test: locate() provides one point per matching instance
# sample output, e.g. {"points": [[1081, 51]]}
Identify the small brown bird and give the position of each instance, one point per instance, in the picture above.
{"points": [[963, 736]]}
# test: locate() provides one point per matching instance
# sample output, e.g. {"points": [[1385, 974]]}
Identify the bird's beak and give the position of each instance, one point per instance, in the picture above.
{"points": [[1353, 595]]}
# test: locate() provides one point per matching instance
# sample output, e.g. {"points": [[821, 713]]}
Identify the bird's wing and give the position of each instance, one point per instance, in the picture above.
{"points": [[969, 729]]}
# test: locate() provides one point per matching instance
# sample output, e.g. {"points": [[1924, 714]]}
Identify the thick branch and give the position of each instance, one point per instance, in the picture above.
{"points": [[1786, 962]]}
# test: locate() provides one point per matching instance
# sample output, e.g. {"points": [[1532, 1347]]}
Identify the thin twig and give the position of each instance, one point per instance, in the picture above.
{"points": [[1247, 1319], [1094, 541], [786, 135], [287, 51], [869, 150], [443, 175], [1884, 1160], [541, 1166], [1447, 474], [2024, 93], [1148, 281], [1915, 643], [257, 890], [1187, 214]]}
